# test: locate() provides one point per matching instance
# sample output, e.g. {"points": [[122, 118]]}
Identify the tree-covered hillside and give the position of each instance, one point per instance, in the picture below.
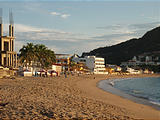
{"points": [[126, 50]]}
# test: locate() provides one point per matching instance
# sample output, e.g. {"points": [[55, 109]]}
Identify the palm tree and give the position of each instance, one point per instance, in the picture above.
{"points": [[44, 55], [49, 58], [37, 54], [27, 53]]}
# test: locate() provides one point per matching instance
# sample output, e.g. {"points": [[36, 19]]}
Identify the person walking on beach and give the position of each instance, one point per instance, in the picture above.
{"points": [[65, 73]]}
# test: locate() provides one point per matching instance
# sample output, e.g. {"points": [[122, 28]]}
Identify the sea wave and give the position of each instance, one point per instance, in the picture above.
{"points": [[137, 95], [154, 101]]}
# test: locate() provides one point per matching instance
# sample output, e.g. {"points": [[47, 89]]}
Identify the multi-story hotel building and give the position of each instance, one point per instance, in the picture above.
{"points": [[96, 64]]}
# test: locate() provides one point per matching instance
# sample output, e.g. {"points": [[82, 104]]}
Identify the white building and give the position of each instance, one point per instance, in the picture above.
{"points": [[57, 68], [148, 58], [133, 71], [141, 60], [78, 59], [96, 64]]}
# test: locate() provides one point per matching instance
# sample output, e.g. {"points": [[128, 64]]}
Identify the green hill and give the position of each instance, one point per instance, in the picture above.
{"points": [[126, 50]]}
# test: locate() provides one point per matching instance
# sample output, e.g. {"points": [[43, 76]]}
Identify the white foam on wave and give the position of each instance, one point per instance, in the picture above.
{"points": [[156, 103], [111, 83]]}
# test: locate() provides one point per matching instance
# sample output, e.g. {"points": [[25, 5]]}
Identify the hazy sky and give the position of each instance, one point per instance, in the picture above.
{"points": [[78, 26]]}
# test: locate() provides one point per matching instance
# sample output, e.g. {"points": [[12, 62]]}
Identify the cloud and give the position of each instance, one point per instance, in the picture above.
{"points": [[65, 15], [111, 36], [62, 15], [43, 34], [57, 40], [69, 42], [112, 39], [55, 13], [25, 28], [114, 27], [145, 25], [136, 30], [121, 32], [19, 45], [130, 26]]}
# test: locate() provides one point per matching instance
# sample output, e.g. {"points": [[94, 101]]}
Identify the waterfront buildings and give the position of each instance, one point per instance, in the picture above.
{"points": [[113, 69], [64, 60], [95, 64], [78, 59], [57, 68], [144, 59], [79, 64], [8, 57], [133, 71]]}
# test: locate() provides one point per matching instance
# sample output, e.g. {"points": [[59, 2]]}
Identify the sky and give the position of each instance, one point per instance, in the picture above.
{"points": [[77, 26]]}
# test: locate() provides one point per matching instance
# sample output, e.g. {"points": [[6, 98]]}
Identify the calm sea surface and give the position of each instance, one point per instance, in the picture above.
{"points": [[146, 88]]}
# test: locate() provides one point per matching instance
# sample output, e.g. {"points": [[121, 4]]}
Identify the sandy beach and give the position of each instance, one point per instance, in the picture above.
{"points": [[74, 97]]}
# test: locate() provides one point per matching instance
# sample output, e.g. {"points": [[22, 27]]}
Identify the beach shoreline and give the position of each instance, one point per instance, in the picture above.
{"points": [[68, 98], [108, 86], [148, 111]]}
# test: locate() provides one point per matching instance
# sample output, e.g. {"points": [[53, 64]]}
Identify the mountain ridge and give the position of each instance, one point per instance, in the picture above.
{"points": [[124, 51]]}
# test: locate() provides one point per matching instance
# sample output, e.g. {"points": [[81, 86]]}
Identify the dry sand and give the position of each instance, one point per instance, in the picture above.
{"points": [[74, 97]]}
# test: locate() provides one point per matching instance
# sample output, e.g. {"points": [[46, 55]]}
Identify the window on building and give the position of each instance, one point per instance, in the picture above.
{"points": [[0, 45], [12, 45], [0, 60], [6, 46], [5, 61], [65, 61]]}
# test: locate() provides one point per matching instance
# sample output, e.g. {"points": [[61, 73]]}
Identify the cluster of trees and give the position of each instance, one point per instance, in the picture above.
{"points": [[36, 54]]}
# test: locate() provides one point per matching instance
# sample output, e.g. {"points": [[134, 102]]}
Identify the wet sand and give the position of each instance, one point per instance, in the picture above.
{"points": [[67, 98]]}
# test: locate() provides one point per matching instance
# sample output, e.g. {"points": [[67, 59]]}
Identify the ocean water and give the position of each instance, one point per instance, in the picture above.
{"points": [[145, 88]]}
